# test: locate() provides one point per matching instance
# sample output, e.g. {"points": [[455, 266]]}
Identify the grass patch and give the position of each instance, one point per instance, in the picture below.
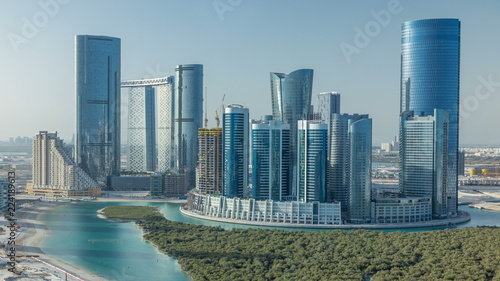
{"points": [[130, 212]]}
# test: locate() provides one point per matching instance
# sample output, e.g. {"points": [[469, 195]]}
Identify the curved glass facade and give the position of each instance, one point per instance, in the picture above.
{"points": [[188, 118], [97, 75], [291, 101], [430, 74]]}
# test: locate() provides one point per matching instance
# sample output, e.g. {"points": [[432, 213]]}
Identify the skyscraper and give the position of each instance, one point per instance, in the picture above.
{"points": [[423, 158], [338, 170], [150, 124], [270, 159], [235, 133], [210, 156], [142, 129], [188, 118], [291, 102], [97, 75], [360, 169], [430, 79], [311, 160], [328, 104]]}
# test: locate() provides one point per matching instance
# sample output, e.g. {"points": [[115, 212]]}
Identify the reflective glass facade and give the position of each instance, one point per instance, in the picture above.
{"points": [[423, 158], [360, 170], [270, 160], [188, 118], [338, 166], [291, 101], [311, 159], [430, 74], [97, 76], [236, 148]]}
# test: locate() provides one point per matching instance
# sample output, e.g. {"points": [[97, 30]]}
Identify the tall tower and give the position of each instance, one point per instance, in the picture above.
{"points": [[291, 102], [339, 172], [150, 124], [311, 160], [430, 79], [270, 160], [360, 169], [188, 118], [328, 104], [235, 136], [209, 170], [97, 76], [423, 158]]}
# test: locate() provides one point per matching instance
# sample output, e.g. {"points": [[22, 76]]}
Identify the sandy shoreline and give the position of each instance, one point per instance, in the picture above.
{"points": [[27, 243]]}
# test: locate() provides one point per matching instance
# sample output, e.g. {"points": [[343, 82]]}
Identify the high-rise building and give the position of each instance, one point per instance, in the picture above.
{"points": [[338, 170], [311, 160], [328, 104], [156, 184], [54, 169], [188, 118], [430, 79], [423, 158], [270, 160], [150, 124], [235, 145], [209, 169], [97, 75], [360, 169], [291, 102], [4, 193]]}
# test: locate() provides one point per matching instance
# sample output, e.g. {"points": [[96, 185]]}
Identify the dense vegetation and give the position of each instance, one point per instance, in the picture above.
{"points": [[130, 212], [212, 253]]}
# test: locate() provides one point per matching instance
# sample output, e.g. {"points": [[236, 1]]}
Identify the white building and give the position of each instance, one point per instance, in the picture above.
{"points": [[54, 168], [265, 210]]}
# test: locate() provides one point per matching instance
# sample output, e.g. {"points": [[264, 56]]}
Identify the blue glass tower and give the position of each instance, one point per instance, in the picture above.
{"points": [[430, 79], [360, 170], [291, 101], [270, 160], [235, 146], [311, 160], [97, 75], [188, 118], [423, 158]]}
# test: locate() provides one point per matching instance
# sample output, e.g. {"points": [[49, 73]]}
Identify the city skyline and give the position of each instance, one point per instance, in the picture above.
{"points": [[375, 63]]}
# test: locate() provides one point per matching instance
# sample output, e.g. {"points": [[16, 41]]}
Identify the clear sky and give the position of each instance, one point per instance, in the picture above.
{"points": [[239, 42]]}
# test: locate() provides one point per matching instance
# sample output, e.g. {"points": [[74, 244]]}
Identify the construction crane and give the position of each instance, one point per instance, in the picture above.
{"points": [[206, 101], [217, 112]]}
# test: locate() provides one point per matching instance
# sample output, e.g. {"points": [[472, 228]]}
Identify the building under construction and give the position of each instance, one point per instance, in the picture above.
{"points": [[209, 170]]}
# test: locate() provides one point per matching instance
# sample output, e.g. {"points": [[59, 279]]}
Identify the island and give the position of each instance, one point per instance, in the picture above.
{"points": [[214, 253]]}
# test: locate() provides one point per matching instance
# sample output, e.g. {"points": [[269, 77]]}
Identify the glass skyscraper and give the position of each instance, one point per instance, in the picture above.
{"points": [[338, 166], [311, 159], [360, 170], [97, 75], [236, 148], [150, 124], [188, 118], [291, 102], [423, 158], [430, 79], [270, 160]]}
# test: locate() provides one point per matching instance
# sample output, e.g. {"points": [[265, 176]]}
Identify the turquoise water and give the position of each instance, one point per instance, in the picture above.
{"points": [[118, 251]]}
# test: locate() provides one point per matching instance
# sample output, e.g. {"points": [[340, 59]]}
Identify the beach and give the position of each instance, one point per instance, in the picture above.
{"points": [[31, 233], [480, 199]]}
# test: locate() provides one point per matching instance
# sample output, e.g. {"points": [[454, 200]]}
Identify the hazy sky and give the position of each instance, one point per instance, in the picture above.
{"points": [[239, 42]]}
